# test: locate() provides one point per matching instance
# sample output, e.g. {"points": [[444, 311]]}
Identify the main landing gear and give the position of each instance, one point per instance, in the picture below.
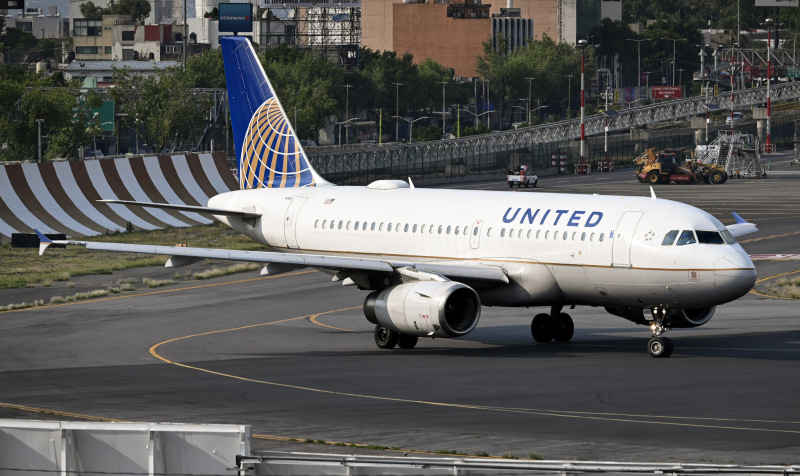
{"points": [[658, 346], [556, 326], [388, 339]]}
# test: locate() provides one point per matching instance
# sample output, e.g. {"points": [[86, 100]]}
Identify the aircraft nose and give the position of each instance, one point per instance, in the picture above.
{"points": [[734, 275]]}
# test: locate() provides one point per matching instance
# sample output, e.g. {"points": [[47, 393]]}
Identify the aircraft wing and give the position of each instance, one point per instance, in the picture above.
{"points": [[186, 208], [741, 227], [180, 255]]}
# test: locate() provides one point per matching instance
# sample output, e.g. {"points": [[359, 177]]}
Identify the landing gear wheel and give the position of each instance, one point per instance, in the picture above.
{"points": [[386, 338], [660, 347], [407, 342], [653, 177], [542, 328], [563, 328]]}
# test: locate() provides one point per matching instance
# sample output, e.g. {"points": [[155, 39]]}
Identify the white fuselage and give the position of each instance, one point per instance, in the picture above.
{"points": [[555, 248]]}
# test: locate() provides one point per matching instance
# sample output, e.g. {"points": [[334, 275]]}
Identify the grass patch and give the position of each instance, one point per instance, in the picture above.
{"points": [[23, 266], [481, 454], [509, 455], [225, 270], [535, 456], [157, 283], [785, 288]]}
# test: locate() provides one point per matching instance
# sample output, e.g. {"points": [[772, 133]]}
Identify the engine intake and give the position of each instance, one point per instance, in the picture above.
{"points": [[438, 309]]}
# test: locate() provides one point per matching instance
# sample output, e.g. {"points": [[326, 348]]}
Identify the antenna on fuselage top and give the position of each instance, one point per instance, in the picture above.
{"points": [[652, 194]]}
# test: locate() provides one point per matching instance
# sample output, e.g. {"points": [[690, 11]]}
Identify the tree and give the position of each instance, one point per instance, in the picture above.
{"points": [[90, 10], [137, 9], [161, 107]]}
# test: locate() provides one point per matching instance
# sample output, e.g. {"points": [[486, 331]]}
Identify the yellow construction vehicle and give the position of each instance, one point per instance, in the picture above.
{"points": [[675, 165]]}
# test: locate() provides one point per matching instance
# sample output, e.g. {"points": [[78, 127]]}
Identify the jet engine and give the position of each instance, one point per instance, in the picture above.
{"points": [[678, 318], [425, 308]]}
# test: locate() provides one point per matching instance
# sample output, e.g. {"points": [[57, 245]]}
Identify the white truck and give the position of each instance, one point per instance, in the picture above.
{"points": [[520, 176]]}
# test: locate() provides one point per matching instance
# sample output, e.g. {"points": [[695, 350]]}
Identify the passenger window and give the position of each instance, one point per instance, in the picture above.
{"points": [[348, 224], [422, 230], [475, 231], [324, 224], [389, 227], [546, 234], [529, 234], [341, 224], [457, 229], [380, 227], [372, 228], [502, 232], [591, 237], [449, 227], [602, 236], [333, 224], [669, 238], [405, 228], [583, 236], [364, 226], [397, 228], [537, 233], [489, 232], [709, 237], [357, 225], [511, 233], [566, 233], [316, 223], [686, 238], [440, 229], [414, 229]]}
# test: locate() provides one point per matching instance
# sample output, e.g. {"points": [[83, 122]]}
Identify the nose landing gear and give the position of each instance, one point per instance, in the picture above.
{"points": [[659, 346]]}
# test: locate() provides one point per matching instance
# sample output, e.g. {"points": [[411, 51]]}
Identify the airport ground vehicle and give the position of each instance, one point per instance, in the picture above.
{"points": [[676, 165], [522, 175]]}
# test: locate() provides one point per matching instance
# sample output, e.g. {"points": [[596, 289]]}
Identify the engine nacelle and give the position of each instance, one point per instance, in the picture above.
{"points": [[678, 318], [425, 308]]}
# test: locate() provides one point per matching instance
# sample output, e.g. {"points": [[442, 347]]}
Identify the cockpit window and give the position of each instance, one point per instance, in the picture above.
{"points": [[710, 237], [686, 238], [669, 238], [729, 239]]}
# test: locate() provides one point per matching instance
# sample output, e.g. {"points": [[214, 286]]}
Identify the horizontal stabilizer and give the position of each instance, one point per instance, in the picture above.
{"points": [[187, 208]]}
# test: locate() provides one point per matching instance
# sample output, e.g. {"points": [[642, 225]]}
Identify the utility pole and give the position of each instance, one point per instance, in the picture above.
{"points": [[347, 112], [39, 124], [529, 98], [443, 83], [397, 112], [569, 96], [582, 44], [769, 80]]}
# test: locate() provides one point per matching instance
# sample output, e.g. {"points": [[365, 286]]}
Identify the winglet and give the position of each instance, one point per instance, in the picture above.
{"points": [[741, 227], [738, 218], [44, 242], [652, 194]]}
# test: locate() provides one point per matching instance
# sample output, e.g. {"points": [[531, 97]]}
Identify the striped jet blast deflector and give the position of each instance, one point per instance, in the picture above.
{"points": [[62, 197]]}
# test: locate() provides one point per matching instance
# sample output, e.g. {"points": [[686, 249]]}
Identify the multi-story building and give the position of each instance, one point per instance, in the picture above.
{"points": [[34, 21]]}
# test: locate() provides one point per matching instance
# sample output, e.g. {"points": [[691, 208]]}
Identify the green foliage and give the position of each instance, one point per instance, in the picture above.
{"points": [[159, 107], [427, 133], [138, 10]]}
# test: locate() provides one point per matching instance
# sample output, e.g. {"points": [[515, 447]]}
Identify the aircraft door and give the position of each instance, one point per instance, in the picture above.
{"points": [[290, 221], [475, 234], [623, 236]]}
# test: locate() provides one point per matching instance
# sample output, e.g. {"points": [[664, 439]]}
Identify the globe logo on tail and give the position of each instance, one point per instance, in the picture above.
{"points": [[272, 157]]}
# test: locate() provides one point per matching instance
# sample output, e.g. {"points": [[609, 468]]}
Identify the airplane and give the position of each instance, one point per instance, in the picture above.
{"points": [[431, 258]]}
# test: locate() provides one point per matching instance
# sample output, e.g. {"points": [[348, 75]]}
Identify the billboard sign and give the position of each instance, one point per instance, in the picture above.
{"points": [[666, 92], [309, 4], [236, 17]]}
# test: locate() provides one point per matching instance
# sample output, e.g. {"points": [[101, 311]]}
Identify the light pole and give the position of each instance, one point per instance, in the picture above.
{"points": [[529, 98], [39, 124], [443, 83], [397, 112], [569, 95], [476, 116], [411, 126], [346, 113], [581, 45], [639, 60], [674, 42], [769, 22]]}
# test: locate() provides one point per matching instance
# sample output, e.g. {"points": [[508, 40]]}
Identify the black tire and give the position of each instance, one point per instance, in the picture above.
{"points": [[653, 177], [726, 178], [527, 184], [660, 347], [510, 184], [406, 341], [386, 338], [563, 328], [535, 182], [705, 180], [542, 328], [716, 177]]}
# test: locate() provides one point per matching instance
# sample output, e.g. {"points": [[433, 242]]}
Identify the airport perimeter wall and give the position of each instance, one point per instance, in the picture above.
{"points": [[61, 197]]}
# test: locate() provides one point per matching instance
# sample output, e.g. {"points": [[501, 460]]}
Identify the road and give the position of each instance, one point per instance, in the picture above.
{"points": [[294, 357]]}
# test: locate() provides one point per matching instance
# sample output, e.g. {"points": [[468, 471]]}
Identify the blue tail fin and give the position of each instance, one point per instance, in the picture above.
{"points": [[268, 150]]}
